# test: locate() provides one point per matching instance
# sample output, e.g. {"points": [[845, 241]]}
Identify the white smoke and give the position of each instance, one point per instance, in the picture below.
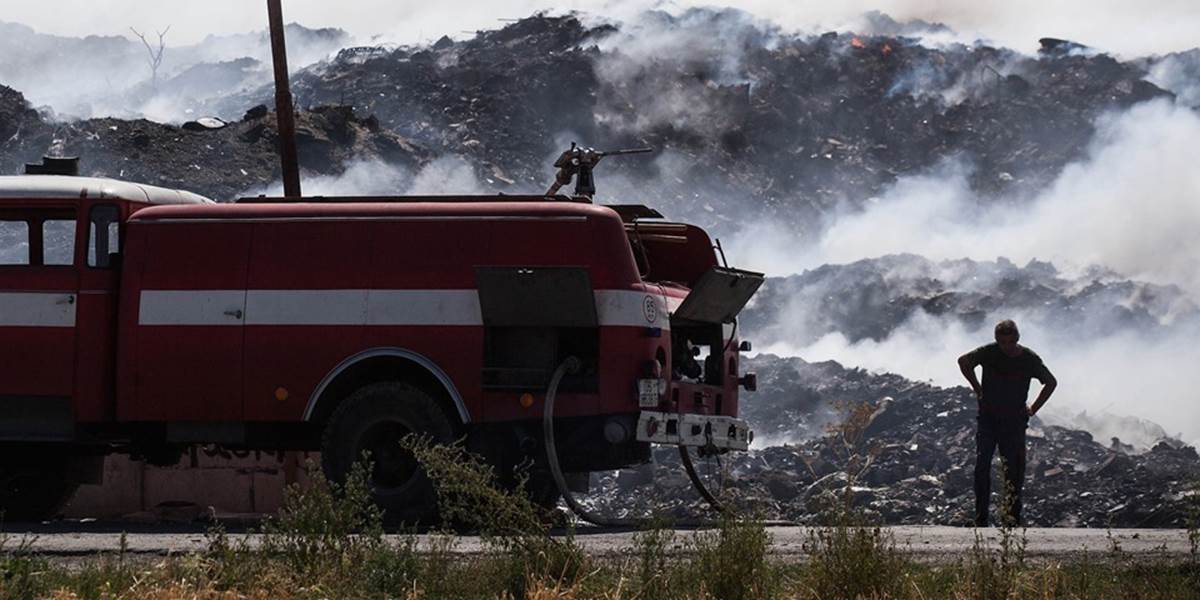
{"points": [[1130, 28], [1133, 205], [1126, 373], [445, 175], [1180, 73], [109, 76], [112, 76], [667, 65], [1162, 26]]}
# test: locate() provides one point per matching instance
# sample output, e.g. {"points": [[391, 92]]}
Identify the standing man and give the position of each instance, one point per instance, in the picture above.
{"points": [[1003, 414]]}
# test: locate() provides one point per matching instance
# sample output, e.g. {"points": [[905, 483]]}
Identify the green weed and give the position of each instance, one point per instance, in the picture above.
{"points": [[507, 520]]}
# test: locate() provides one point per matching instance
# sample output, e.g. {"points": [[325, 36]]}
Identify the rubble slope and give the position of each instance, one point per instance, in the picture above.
{"points": [[908, 460], [871, 298], [748, 121], [221, 162]]}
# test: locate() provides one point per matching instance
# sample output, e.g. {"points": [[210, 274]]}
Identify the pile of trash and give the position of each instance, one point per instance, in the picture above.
{"points": [[902, 452]]}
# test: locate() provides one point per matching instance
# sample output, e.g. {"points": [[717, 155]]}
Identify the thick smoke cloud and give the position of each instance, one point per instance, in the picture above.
{"points": [[641, 58], [1180, 73], [1130, 206], [1129, 29], [1125, 373]]}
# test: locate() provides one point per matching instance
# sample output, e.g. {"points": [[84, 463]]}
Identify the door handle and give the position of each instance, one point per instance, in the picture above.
{"points": [[237, 314], [70, 299]]}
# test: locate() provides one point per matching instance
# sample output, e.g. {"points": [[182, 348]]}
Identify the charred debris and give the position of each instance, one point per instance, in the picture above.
{"points": [[766, 124], [911, 460], [912, 463], [216, 158]]}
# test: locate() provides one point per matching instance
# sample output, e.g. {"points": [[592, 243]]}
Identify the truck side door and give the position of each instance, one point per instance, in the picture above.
{"points": [[96, 311], [38, 294]]}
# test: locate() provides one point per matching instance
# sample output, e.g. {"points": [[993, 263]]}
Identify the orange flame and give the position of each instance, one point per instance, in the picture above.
{"points": [[887, 49], [857, 43]]}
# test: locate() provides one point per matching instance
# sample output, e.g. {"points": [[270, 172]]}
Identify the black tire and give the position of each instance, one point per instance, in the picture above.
{"points": [[34, 488], [373, 419]]}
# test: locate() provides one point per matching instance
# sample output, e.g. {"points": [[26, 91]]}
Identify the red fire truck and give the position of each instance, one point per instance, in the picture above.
{"points": [[143, 320]]}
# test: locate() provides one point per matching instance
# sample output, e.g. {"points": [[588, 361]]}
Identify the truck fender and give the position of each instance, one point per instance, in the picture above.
{"points": [[390, 352]]}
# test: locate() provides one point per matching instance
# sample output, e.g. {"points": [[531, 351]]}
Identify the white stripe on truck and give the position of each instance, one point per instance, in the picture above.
{"points": [[37, 309], [614, 308], [191, 307], [424, 307]]}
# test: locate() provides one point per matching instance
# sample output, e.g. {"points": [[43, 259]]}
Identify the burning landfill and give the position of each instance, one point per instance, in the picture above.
{"points": [[756, 125]]}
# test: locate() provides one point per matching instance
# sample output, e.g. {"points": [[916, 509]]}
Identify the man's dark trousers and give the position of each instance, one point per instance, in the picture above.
{"points": [[1007, 433]]}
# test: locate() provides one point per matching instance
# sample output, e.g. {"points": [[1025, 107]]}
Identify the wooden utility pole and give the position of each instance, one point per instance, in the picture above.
{"points": [[283, 103]]}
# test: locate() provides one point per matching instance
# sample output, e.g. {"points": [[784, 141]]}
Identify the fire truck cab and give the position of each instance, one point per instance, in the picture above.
{"points": [[139, 319]]}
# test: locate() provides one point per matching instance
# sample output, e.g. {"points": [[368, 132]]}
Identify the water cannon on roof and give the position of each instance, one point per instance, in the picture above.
{"points": [[578, 162]]}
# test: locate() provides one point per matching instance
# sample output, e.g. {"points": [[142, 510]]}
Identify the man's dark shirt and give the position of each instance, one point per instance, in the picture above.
{"points": [[1006, 379]]}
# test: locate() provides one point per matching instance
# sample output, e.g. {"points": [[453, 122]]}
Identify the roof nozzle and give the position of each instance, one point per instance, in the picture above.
{"points": [[54, 165]]}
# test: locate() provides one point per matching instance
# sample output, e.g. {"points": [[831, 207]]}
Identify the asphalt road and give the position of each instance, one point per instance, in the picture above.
{"points": [[924, 543]]}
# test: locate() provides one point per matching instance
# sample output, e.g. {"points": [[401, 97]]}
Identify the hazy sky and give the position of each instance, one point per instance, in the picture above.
{"points": [[1125, 27]]}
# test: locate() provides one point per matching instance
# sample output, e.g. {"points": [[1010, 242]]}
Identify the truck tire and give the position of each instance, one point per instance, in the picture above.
{"points": [[374, 419], [34, 489]]}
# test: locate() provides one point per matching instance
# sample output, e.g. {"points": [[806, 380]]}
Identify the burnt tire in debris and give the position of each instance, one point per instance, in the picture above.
{"points": [[373, 420], [34, 487]]}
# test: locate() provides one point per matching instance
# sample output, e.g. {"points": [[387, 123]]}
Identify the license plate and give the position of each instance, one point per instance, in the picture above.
{"points": [[648, 392]]}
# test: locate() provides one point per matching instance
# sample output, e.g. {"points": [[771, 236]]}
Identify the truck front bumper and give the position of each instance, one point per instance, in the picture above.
{"points": [[685, 429]]}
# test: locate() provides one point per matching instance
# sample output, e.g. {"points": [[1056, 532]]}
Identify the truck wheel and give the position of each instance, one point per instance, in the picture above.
{"points": [[373, 420], [34, 489]]}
